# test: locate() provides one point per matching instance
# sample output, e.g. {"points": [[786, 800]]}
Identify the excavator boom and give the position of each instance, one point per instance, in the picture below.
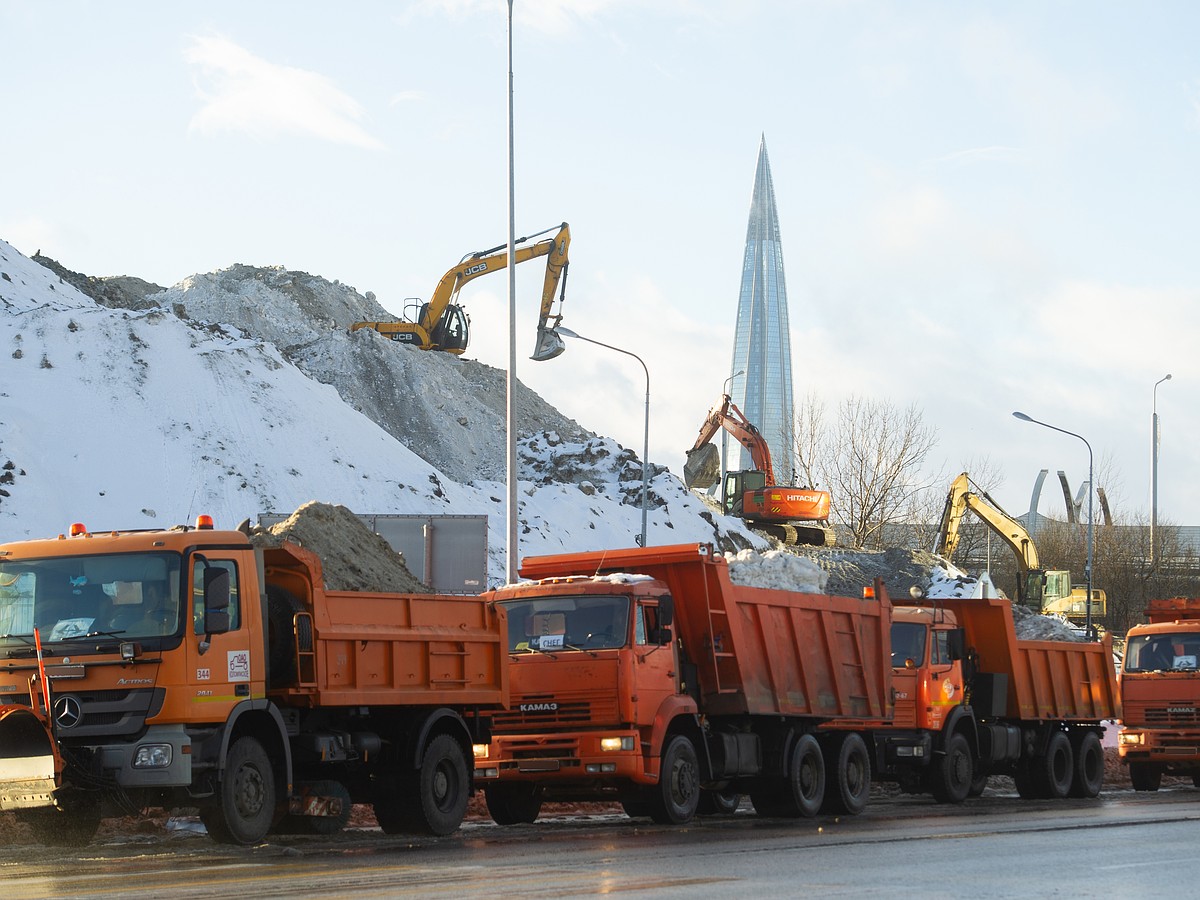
{"points": [[704, 465]]}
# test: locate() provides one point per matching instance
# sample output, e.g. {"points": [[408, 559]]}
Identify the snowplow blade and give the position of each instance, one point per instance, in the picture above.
{"points": [[703, 467], [549, 345], [29, 761]]}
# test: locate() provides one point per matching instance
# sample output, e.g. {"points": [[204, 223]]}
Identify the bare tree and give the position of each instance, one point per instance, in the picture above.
{"points": [[870, 461]]}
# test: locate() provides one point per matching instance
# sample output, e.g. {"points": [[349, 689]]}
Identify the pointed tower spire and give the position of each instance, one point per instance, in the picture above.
{"points": [[762, 346]]}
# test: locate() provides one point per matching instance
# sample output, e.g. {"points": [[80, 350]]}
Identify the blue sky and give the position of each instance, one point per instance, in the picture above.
{"points": [[984, 207]]}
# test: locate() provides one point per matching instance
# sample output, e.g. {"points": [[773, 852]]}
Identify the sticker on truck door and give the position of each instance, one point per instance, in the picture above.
{"points": [[239, 665]]}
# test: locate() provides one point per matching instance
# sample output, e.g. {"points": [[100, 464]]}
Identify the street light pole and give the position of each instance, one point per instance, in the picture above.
{"points": [[567, 332], [1154, 469], [510, 460], [1090, 531], [725, 434]]}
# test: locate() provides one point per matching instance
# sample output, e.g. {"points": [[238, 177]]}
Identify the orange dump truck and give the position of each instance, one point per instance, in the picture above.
{"points": [[646, 676], [1160, 694], [973, 700], [649, 678], [185, 667]]}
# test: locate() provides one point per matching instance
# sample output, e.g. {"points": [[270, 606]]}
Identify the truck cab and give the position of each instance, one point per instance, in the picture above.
{"points": [[593, 677], [1160, 694]]}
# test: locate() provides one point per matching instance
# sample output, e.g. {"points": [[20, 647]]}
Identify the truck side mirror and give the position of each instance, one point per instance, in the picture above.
{"points": [[662, 635], [666, 610], [216, 600], [956, 643]]}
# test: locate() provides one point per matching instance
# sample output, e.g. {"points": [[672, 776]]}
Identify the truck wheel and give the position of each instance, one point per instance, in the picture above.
{"points": [[806, 777], [1088, 776], [677, 795], [851, 779], [1056, 769], [73, 823], [245, 803], [442, 787], [951, 775], [718, 803], [513, 804], [1145, 776]]}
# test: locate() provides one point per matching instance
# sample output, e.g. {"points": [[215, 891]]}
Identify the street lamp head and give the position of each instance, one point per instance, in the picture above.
{"points": [[565, 331], [1168, 378], [1022, 417]]}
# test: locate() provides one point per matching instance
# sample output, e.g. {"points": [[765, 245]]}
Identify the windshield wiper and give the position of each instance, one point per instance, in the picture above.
{"points": [[19, 637]]}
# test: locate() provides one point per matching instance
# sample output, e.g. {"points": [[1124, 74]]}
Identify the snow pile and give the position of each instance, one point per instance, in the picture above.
{"points": [[945, 580], [1032, 626], [353, 558], [127, 416], [776, 569]]}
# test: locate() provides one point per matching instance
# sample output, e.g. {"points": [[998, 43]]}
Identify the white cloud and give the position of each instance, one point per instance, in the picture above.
{"points": [[241, 93]]}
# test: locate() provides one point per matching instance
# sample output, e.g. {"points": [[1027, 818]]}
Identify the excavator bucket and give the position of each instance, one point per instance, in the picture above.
{"points": [[549, 345], [703, 467]]}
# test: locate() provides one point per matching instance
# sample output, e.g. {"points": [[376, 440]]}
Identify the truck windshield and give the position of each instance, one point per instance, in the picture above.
{"points": [[908, 642], [567, 623], [1162, 652], [133, 595]]}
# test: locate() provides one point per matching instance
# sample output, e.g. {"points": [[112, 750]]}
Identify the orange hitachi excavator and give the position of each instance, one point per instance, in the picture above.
{"points": [[788, 514]]}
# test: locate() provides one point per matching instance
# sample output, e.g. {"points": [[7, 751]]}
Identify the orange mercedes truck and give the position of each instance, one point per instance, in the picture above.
{"points": [[188, 668]]}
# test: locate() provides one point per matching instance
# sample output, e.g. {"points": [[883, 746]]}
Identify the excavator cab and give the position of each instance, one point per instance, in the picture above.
{"points": [[736, 486], [452, 331]]}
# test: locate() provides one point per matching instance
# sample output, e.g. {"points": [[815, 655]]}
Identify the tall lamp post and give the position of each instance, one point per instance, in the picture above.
{"points": [[1090, 532], [567, 332], [1154, 469], [725, 434], [510, 417]]}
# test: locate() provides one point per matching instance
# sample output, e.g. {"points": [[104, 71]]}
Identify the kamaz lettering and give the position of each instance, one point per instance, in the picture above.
{"points": [[539, 707]]}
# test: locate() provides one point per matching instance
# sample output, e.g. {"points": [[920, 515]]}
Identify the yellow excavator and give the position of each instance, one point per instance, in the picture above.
{"points": [[1048, 591], [443, 324]]}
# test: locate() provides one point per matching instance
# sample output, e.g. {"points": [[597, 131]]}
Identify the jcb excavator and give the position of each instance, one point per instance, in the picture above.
{"points": [[442, 323], [788, 514], [1049, 591]]}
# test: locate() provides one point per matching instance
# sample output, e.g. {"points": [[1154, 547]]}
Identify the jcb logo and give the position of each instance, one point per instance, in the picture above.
{"points": [[472, 270]]}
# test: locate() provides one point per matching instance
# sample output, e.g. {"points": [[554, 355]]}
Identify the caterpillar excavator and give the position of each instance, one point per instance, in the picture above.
{"points": [[1046, 590], [788, 514], [443, 324]]}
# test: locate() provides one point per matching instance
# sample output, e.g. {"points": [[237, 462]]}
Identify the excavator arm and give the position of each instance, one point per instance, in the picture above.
{"points": [[701, 469], [1013, 533], [441, 323]]}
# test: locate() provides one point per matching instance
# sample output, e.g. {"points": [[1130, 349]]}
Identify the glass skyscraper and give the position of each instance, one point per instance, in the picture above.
{"points": [[762, 345]]}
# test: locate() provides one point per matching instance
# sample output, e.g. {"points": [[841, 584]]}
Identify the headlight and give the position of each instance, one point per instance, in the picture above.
{"points": [[612, 744], [1131, 738], [481, 750], [152, 756]]}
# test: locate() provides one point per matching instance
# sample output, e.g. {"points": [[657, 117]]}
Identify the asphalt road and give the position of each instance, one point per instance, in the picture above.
{"points": [[1122, 845]]}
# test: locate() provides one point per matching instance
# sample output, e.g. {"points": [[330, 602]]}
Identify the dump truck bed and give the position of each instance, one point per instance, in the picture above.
{"points": [[758, 651], [393, 649], [1046, 680]]}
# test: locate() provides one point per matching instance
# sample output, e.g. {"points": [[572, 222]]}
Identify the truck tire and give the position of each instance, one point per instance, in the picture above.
{"points": [[1056, 769], [1088, 776], [282, 607], [978, 785], [513, 804], [442, 788], [1145, 776], [677, 794], [636, 809], [244, 807], [723, 802], [73, 823], [851, 785], [951, 775], [806, 777]]}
